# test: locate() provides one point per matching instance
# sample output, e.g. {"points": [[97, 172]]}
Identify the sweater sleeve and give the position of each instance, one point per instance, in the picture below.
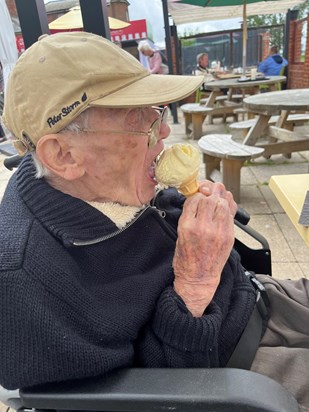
{"points": [[177, 339], [263, 66], [44, 339]]}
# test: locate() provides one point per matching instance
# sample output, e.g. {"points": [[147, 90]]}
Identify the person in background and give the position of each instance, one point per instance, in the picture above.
{"points": [[202, 69], [153, 56], [273, 64]]}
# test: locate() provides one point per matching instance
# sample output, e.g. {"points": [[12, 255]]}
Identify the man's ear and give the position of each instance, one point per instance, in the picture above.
{"points": [[59, 156]]}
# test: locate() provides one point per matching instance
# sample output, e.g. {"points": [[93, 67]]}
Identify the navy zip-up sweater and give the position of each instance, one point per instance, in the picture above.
{"points": [[80, 297]]}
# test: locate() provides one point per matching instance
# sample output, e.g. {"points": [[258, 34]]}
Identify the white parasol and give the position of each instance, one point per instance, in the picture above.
{"points": [[8, 49]]}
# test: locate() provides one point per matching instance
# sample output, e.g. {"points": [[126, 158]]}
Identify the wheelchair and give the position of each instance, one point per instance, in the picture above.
{"points": [[164, 389]]}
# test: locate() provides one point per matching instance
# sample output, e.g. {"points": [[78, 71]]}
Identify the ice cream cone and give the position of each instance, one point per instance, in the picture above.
{"points": [[190, 186], [178, 166]]}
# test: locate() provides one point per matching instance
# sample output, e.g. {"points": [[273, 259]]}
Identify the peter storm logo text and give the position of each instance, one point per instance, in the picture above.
{"points": [[51, 121]]}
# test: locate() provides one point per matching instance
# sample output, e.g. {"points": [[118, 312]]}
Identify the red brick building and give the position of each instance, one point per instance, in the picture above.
{"points": [[298, 56]]}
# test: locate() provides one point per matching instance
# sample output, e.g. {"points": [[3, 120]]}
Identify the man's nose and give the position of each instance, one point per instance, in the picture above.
{"points": [[165, 131]]}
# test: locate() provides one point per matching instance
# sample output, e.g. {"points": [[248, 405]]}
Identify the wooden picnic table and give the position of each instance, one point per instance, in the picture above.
{"points": [[282, 103], [249, 86], [219, 105]]}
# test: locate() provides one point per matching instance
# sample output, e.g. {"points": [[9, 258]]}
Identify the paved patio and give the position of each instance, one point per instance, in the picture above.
{"points": [[290, 257]]}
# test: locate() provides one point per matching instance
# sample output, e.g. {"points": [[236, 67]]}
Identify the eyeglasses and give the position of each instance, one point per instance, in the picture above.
{"points": [[153, 132]]}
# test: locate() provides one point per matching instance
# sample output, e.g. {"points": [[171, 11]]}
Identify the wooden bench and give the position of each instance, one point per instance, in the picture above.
{"points": [[220, 150], [234, 101], [221, 99], [234, 98], [195, 114], [242, 113], [292, 120]]}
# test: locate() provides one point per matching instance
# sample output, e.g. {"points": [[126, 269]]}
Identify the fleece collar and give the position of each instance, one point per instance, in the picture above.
{"points": [[66, 217], [121, 215]]}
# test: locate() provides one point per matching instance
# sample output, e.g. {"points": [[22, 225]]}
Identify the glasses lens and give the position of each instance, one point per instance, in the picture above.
{"points": [[154, 133], [164, 114]]}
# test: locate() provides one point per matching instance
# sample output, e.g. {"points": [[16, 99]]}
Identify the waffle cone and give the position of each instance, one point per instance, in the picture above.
{"points": [[189, 187]]}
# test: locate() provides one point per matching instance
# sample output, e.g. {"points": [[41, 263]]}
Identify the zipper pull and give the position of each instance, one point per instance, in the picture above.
{"points": [[162, 213]]}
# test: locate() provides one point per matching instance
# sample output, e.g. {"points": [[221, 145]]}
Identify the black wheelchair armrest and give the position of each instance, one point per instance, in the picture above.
{"points": [[12, 162], [256, 260], [242, 216], [138, 390]]}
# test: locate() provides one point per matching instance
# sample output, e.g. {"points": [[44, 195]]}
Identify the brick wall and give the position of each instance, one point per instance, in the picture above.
{"points": [[11, 7], [298, 74], [265, 44], [119, 9]]}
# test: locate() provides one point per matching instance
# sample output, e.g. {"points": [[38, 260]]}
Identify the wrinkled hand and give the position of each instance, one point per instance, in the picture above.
{"points": [[205, 240], [207, 188]]}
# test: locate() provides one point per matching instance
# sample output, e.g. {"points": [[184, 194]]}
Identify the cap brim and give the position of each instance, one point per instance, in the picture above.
{"points": [[152, 90]]}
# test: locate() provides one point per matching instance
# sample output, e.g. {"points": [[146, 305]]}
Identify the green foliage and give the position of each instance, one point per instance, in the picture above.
{"points": [[279, 18], [303, 9], [266, 20], [276, 36], [189, 32], [188, 42]]}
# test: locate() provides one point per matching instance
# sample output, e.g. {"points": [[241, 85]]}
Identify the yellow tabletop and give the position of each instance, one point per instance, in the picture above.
{"points": [[291, 190]]}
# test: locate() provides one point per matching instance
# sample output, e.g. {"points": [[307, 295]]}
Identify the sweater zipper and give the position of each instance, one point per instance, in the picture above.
{"points": [[117, 232]]}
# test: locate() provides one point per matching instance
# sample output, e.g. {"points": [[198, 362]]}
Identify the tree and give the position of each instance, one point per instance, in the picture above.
{"points": [[279, 18], [276, 36], [303, 9], [190, 32]]}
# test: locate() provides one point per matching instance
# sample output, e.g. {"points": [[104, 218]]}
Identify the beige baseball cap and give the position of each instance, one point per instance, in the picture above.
{"points": [[61, 75]]}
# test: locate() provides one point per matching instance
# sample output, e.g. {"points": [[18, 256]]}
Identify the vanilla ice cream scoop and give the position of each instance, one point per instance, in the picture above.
{"points": [[178, 166]]}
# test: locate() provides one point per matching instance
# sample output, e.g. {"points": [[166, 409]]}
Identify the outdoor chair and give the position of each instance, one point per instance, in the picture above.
{"points": [[200, 94], [150, 390], [280, 86]]}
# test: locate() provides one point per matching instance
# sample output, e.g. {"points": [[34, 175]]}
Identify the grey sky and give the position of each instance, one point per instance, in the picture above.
{"points": [[152, 12]]}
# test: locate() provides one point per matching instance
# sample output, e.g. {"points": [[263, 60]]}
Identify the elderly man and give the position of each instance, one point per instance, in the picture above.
{"points": [[98, 270], [201, 69]]}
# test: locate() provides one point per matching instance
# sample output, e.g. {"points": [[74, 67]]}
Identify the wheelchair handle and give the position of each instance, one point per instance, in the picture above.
{"points": [[12, 161], [242, 216]]}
